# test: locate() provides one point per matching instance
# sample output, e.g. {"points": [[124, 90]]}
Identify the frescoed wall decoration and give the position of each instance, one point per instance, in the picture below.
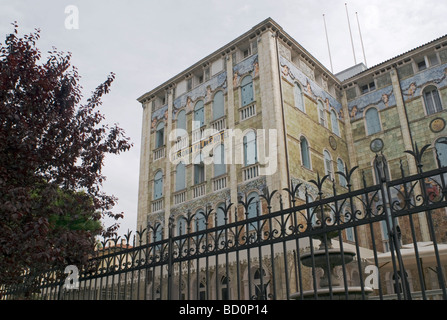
{"points": [[310, 87], [157, 115], [247, 66], [204, 91], [412, 87], [382, 98]]}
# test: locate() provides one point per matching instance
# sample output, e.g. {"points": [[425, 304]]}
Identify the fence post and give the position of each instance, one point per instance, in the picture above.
{"points": [[393, 230], [170, 255]]}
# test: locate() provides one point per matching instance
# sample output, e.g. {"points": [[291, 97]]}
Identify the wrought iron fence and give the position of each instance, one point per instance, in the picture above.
{"points": [[381, 241]]}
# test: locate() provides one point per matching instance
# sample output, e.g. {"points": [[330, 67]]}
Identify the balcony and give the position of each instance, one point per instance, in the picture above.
{"points": [[179, 196], [157, 205], [248, 111], [219, 183], [250, 172], [199, 190], [159, 153], [198, 134], [219, 124], [181, 143]]}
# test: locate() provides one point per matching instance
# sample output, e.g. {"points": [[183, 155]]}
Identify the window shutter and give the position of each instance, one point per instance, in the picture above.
{"points": [[218, 105], [180, 183]]}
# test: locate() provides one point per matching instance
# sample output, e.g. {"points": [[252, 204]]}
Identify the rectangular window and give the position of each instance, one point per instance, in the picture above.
{"points": [[421, 65], [368, 87], [433, 59]]}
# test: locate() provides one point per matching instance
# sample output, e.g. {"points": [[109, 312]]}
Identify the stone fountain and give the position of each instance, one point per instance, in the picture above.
{"points": [[328, 258]]}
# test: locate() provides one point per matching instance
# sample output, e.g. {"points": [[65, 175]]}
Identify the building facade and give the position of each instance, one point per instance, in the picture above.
{"points": [[262, 112]]}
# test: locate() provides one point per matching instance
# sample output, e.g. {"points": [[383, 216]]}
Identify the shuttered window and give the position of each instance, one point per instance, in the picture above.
{"points": [[180, 177], [218, 105], [219, 160], [328, 164], [334, 122], [181, 121], [341, 168], [199, 169], [199, 115], [253, 209], [250, 152], [160, 135], [247, 91], [432, 100], [220, 215], [372, 121], [200, 220], [298, 95], [158, 185], [305, 157]]}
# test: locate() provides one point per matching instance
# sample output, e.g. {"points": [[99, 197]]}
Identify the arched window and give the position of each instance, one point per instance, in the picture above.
{"points": [[181, 122], [253, 209], [441, 150], [158, 185], [199, 169], [224, 288], [220, 215], [182, 226], [200, 220], [298, 95], [372, 121], [219, 160], [305, 155], [160, 135], [199, 115], [250, 149], [334, 122], [328, 169], [247, 93], [321, 113], [158, 232], [180, 177], [349, 232], [158, 235], [432, 100], [341, 168], [218, 105]]}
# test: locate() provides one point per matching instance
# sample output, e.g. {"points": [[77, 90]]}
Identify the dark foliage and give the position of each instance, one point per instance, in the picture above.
{"points": [[52, 149]]}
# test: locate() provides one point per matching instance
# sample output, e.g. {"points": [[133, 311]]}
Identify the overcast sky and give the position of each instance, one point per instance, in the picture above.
{"points": [[147, 42]]}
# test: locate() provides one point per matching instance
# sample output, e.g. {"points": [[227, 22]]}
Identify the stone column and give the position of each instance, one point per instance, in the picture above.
{"points": [[355, 179], [272, 110], [167, 190], [232, 166], [408, 144], [145, 159]]}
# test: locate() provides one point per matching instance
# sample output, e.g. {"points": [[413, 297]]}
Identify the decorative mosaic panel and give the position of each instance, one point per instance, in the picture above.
{"points": [[245, 67], [311, 88], [204, 91], [381, 99], [412, 87]]}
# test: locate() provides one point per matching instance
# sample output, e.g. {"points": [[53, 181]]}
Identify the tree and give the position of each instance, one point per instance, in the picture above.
{"points": [[52, 149]]}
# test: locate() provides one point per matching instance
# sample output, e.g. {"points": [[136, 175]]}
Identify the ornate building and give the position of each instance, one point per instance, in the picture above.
{"points": [[261, 113]]}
